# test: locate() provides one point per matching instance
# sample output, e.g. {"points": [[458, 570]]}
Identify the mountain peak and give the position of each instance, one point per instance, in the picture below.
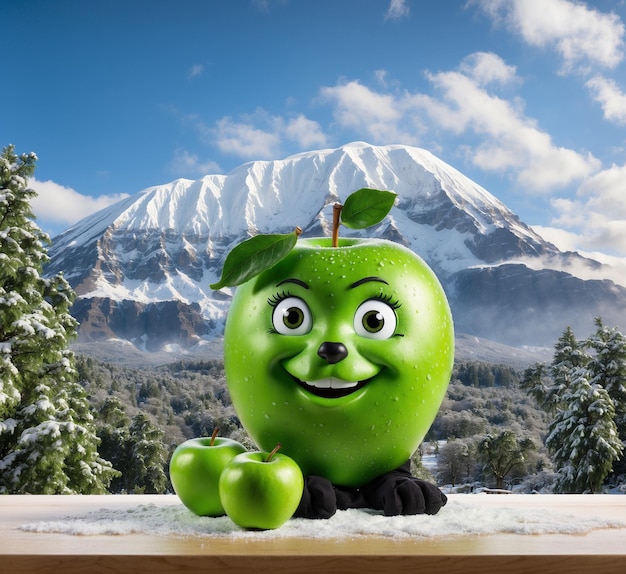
{"points": [[169, 242]]}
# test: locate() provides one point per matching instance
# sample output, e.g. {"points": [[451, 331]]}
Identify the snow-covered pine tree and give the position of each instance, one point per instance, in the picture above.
{"points": [[548, 384], [148, 456], [135, 448], [538, 384], [112, 428], [47, 435], [608, 369], [583, 436], [569, 355]]}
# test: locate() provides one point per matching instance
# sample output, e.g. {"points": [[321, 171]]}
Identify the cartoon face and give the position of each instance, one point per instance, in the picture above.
{"points": [[342, 355]]}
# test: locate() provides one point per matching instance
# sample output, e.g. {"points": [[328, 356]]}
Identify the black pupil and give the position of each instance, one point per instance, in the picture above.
{"points": [[293, 317], [373, 321]]}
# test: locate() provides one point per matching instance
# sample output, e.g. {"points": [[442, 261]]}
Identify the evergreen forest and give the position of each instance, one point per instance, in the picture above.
{"points": [[490, 430]]}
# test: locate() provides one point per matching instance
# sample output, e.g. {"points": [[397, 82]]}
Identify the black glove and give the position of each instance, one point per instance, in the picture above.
{"points": [[321, 499], [398, 492], [318, 499], [395, 492], [349, 498]]}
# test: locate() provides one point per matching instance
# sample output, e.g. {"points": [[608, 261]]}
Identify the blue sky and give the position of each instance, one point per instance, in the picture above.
{"points": [[526, 97]]}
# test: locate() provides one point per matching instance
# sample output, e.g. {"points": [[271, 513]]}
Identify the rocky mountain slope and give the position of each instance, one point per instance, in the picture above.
{"points": [[143, 266]]}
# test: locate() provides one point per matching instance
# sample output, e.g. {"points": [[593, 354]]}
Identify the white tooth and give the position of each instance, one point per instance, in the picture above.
{"points": [[321, 384], [332, 383], [339, 384]]}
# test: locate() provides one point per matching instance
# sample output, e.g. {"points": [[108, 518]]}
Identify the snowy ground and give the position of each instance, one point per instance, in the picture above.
{"points": [[463, 515], [429, 461]]}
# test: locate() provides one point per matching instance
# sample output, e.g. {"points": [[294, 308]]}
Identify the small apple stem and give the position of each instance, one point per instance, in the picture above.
{"points": [[298, 231], [337, 207], [214, 435], [271, 454]]}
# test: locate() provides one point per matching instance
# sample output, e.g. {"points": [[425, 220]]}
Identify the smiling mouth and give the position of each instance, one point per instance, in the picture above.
{"points": [[331, 387]]}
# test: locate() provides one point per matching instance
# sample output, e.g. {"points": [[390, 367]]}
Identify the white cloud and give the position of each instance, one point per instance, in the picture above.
{"points": [[306, 133], [604, 191], [373, 115], [581, 36], [486, 68], [195, 71], [614, 266], [612, 99], [246, 140], [56, 204], [552, 167], [397, 10], [508, 140], [186, 164], [564, 240], [259, 135], [594, 220], [262, 135]]}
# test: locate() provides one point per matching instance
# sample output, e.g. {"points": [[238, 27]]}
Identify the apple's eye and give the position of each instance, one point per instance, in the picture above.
{"points": [[375, 319], [291, 316]]}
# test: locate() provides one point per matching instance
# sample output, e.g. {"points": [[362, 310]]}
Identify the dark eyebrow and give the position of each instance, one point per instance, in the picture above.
{"points": [[296, 281], [367, 280]]}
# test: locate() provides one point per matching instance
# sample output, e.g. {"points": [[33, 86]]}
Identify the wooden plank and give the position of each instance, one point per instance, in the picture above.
{"points": [[305, 564], [599, 551]]}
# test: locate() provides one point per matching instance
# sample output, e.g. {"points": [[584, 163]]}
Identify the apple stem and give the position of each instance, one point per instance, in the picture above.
{"points": [[214, 436], [298, 231], [271, 454], [337, 207]]}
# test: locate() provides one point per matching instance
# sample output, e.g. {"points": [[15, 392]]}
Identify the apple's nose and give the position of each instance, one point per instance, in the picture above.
{"points": [[332, 352]]}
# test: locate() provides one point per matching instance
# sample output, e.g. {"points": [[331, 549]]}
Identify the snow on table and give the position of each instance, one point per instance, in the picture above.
{"points": [[151, 534], [462, 516]]}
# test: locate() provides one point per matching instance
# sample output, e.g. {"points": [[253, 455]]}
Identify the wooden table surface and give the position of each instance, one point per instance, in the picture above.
{"points": [[597, 551]]}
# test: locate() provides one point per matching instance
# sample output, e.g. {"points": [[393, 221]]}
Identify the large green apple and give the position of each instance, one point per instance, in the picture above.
{"points": [[342, 354], [261, 490], [195, 469]]}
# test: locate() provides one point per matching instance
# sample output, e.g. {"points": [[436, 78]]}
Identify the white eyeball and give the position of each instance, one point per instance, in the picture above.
{"points": [[375, 320], [292, 316]]}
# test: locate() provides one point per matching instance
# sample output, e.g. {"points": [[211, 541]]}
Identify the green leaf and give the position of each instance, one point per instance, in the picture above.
{"points": [[254, 256], [366, 207]]}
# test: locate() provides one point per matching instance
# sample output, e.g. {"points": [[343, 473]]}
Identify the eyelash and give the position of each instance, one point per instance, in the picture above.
{"points": [[389, 300], [275, 300]]}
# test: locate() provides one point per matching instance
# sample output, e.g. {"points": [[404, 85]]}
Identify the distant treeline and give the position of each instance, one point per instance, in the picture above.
{"points": [[188, 399]]}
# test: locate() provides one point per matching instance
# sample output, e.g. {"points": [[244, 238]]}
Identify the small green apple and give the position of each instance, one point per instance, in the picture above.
{"points": [[195, 469], [341, 353], [261, 490]]}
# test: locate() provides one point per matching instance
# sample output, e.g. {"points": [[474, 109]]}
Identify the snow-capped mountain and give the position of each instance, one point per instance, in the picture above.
{"points": [[143, 266]]}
